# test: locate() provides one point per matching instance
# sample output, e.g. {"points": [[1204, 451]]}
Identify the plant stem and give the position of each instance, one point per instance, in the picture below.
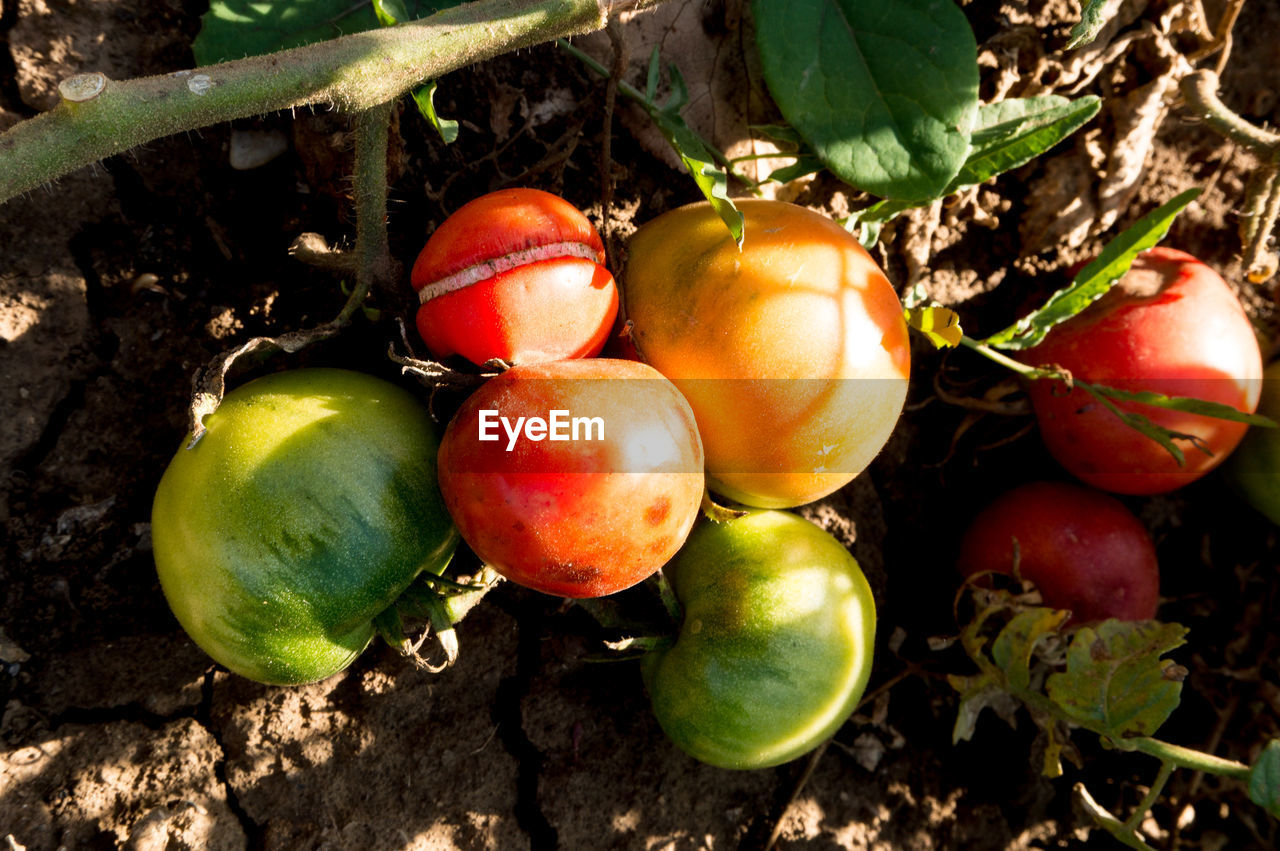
{"points": [[1149, 800], [1181, 757], [1200, 88], [373, 254], [1006, 361], [354, 72]]}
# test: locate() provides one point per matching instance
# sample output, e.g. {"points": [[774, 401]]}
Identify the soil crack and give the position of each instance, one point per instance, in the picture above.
{"points": [[10, 94], [255, 834], [508, 716]]}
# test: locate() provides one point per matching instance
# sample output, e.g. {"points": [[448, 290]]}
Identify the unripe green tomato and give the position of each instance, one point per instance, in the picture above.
{"points": [[1254, 468], [775, 648], [306, 509]]}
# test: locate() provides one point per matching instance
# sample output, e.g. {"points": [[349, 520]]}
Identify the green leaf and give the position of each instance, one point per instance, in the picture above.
{"points": [[1116, 684], [1144, 426], [1095, 279], [1012, 649], [976, 694], [781, 133], [697, 156], [424, 97], [804, 165], [1003, 143], [940, 324], [884, 91], [234, 29], [1093, 17], [1185, 403], [1264, 779], [390, 12]]}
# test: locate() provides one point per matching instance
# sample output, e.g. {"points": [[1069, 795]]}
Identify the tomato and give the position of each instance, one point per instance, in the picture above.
{"points": [[775, 647], [518, 275], [793, 353], [1172, 326], [588, 513], [1083, 550], [306, 509], [1254, 468]]}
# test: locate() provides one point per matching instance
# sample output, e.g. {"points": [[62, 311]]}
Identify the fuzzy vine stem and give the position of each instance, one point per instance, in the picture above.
{"points": [[353, 72], [373, 254]]}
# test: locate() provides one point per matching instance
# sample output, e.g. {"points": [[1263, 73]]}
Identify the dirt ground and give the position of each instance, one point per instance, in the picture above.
{"points": [[119, 281]]}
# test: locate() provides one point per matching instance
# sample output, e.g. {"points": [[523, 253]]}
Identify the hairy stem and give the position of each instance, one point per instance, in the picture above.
{"points": [[1153, 794], [353, 72], [373, 255]]}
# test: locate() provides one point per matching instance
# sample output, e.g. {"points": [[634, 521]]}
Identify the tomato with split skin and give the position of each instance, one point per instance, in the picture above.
{"points": [[516, 275], [577, 478]]}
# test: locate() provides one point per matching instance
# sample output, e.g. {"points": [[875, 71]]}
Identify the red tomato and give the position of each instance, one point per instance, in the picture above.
{"points": [[1172, 326], [518, 275], [1083, 549], [588, 513]]}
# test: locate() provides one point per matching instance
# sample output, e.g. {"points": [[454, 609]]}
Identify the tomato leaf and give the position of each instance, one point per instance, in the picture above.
{"points": [[1116, 684], [234, 29], [941, 325], [1093, 17], [1095, 279], [695, 153], [699, 158], [1014, 132], [976, 694], [424, 97], [1012, 649], [884, 91], [1264, 779], [805, 164], [1184, 403]]}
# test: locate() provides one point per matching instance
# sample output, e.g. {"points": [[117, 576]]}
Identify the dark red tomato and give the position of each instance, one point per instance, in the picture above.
{"points": [[1171, 326], [577, 478], [1082, 548], [518, 275]]}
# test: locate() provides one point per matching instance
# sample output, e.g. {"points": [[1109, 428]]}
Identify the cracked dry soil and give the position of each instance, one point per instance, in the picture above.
{"points": [[116, 283]]}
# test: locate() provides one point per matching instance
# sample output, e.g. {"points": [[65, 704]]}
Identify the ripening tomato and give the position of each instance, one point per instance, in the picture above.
{"points": [[307, 508], [793, 353], [1254, 468], [577, 478], [518, 275], [1083, 550], [1171, 326], [775, 646]]}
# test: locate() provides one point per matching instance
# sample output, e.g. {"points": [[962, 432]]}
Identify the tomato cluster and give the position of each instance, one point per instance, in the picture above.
{"points": [[770, 374]]}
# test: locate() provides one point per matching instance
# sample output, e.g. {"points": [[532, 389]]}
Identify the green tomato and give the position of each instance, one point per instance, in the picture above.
{"points": [[1254, 468], [307, 508], [775, 647]]}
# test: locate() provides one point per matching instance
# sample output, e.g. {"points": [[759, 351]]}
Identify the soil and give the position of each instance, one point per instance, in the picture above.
{"points": [[118, 282]]}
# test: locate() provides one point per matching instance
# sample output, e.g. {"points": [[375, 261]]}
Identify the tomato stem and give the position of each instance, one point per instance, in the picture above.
{"points": [[373, 255], [353, 72]]}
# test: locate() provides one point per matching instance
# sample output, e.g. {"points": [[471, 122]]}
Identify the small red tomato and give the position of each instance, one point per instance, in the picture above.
{"points": [[1082, 548], [1171, 326], [518, 275], [577, 478]]}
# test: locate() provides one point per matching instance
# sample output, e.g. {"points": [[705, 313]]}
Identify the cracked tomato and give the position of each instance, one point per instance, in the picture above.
{"points": [[304, 511], [775, 646]]}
